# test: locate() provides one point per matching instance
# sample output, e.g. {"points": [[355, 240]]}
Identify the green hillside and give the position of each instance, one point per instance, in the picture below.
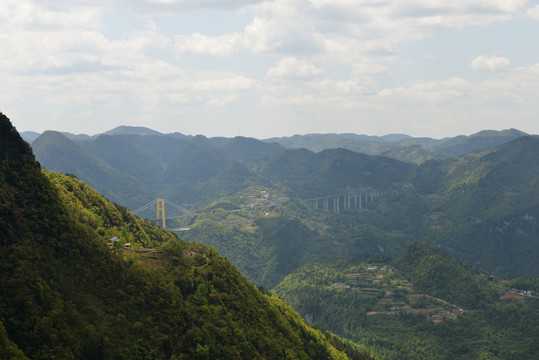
{"points": [[125, 155], [490, 203], [424, 305], [315, 174], [481, 208], [265, 254], [248, 149], [66, 294], [483, 140], [56, 152], [443, 276]]}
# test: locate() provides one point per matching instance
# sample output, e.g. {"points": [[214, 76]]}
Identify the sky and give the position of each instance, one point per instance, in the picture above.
{"points": [[271, 68]]}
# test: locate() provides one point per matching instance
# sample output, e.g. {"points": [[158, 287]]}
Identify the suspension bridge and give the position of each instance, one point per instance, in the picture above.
{"points": [[172, 218]]}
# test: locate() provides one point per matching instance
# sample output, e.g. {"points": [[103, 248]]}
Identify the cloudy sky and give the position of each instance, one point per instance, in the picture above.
{"points": [[271, 68]]}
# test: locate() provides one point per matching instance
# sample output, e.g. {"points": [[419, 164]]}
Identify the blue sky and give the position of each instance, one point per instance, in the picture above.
{"points": [[271, 68]]}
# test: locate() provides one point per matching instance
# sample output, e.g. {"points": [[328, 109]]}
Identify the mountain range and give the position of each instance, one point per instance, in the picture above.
{"points": [[275, 207], [82, 278], [399, 146], [481, 207], [144, 160]]}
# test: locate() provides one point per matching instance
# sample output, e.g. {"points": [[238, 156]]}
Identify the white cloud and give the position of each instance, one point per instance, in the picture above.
{"points": [[533, 12], [459, 106], [292, 68], [335, 55], [224, 84], [197, 43], [345, 87], [450, 106], [431, 91], [221, 101], [85, 115], [490, 63], [156, 7], [27, 14]]}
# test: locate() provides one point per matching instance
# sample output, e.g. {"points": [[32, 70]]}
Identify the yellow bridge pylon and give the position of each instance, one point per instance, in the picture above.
{"points": [[160, 219], [161, 211]]}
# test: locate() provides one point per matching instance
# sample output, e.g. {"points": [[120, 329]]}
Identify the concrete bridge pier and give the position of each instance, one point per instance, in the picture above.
{"points": [[336, 204]]}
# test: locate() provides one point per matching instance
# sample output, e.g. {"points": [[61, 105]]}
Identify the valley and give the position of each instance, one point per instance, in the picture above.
{"points": [[406, 308], [66, 293], [410, 259]]}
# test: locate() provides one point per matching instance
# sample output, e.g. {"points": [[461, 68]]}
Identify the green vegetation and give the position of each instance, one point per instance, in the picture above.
{"points": [[442, 276], [526, 283], [411, 308], [490, 202], [66, 294], [480, 208], [58, 153], [328, 172], [268, 252]]}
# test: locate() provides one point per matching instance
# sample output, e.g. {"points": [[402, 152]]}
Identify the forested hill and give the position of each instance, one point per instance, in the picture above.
{"points": [[66, 294], [481, 208], [424, 305], [440, 275], [489, 209]]}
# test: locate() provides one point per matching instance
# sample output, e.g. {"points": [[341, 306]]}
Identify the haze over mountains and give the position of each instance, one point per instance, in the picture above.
{"points": [[311, 216], [386, 145], [142, 159], [66, 294], [480, 205]]}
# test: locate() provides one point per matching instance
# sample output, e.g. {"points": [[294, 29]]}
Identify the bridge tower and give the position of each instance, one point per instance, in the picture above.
{"points": [[161, 211]]}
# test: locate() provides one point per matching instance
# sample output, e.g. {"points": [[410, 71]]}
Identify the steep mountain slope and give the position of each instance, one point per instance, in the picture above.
{"points": [[267, 254], [56, 152], [126, 156], [491, 202], [249, 149], [29, 136], [195, 163], [483, 140], [65, 294], [161, 148], [412, 154], [312, 174]]}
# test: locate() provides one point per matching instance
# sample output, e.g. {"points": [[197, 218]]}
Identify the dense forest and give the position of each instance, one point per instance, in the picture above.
{"points": [[82, 278], [308, 216], [424, 305], [480, 206]]}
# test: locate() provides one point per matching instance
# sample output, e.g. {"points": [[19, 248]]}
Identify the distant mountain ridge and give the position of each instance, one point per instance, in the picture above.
{"points": [[68, 292], [117, 163], [401, 146], [455, 202], [398, 146], [58, 153], [131, 130]]}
